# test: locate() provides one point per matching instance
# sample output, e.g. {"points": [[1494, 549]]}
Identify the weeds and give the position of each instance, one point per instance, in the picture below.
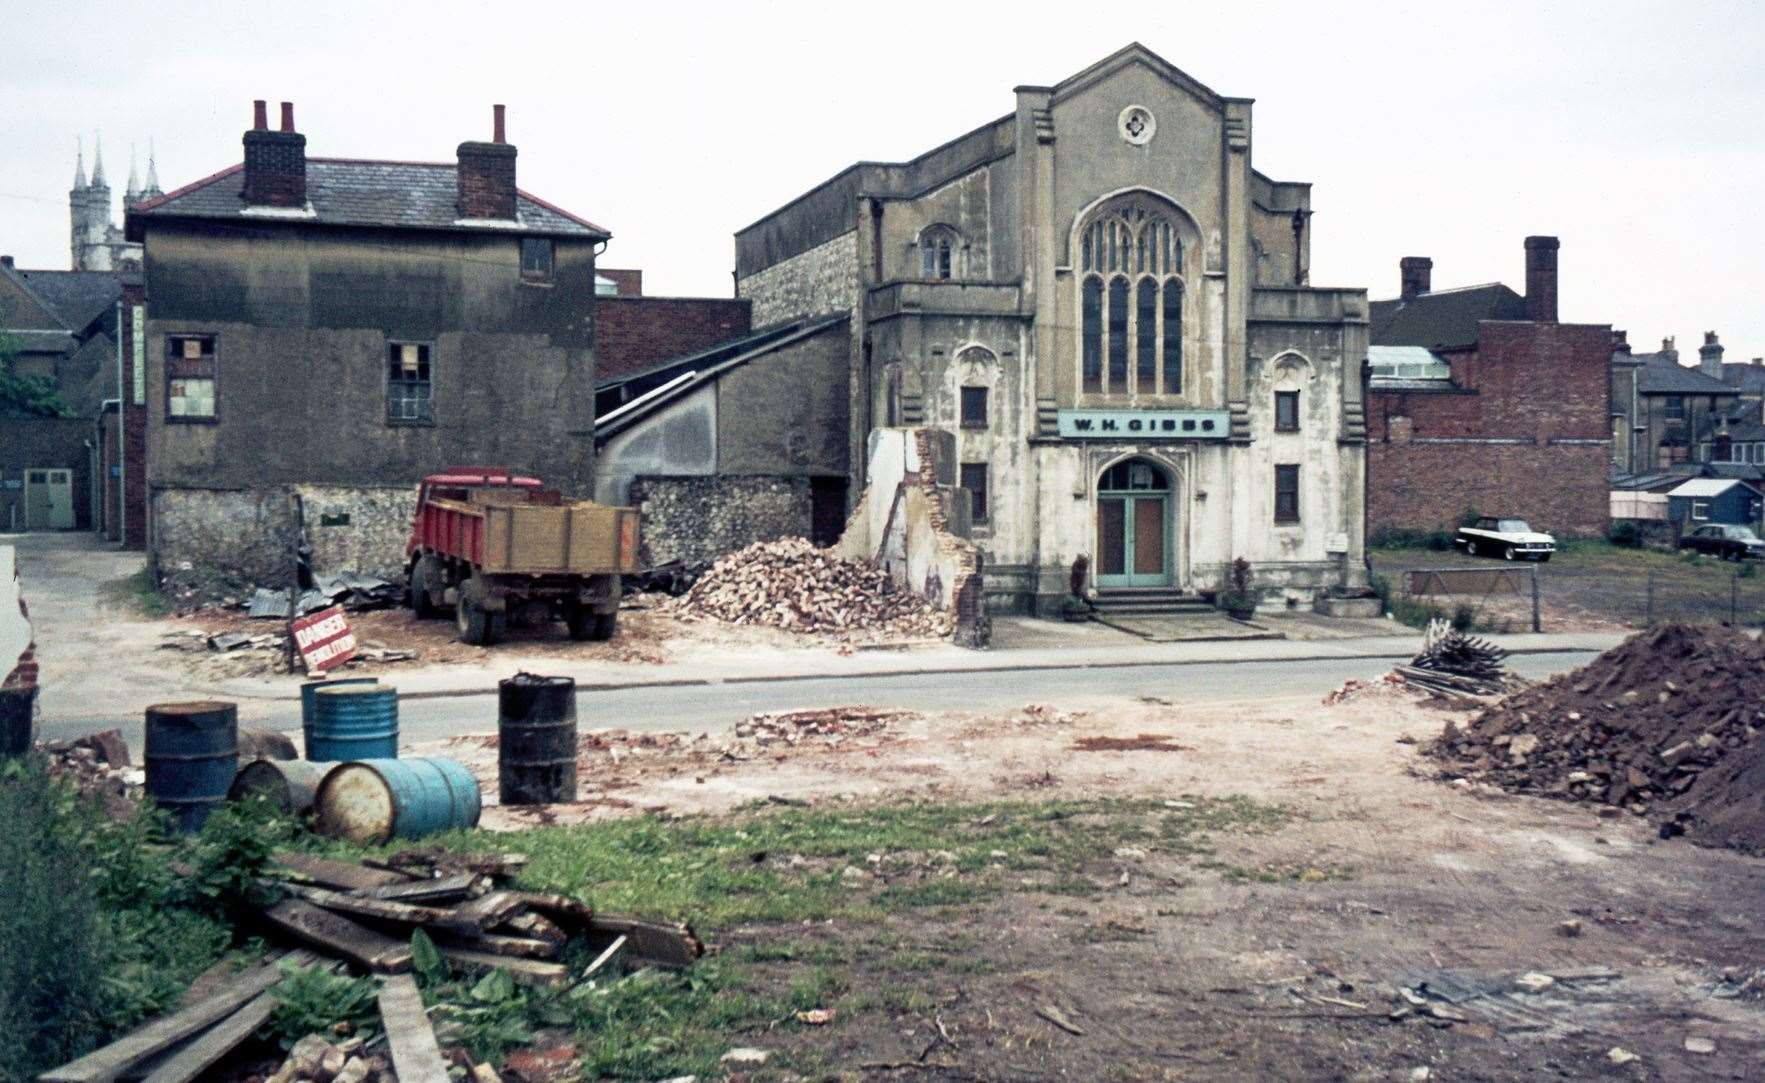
{"points": [[139, 595], [313, 1000]]}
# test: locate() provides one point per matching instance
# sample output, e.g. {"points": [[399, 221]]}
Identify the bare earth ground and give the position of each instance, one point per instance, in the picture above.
{"points": [[1279, 955]]}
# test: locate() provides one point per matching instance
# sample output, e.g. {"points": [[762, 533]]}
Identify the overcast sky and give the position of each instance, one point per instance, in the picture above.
{"points": [[1634, 131]]}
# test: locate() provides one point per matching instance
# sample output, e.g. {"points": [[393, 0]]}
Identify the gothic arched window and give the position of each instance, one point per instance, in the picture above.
{"points": [[939, 247], [1131, 303]]}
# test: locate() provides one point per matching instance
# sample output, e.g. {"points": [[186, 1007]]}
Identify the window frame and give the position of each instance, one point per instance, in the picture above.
{"points": [[536, 276], [1290, 399], [393, 362], [1698, 516], [213, 377], [1130, 303], [973, 421], [980, 500], [939, 245], [1287, 494]]}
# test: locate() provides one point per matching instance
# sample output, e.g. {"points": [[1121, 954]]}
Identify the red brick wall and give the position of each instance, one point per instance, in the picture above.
{"points": [[1543, 385], [635, 333], [629, 282]]}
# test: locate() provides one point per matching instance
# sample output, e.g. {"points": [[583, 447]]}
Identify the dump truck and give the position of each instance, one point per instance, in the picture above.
{"points": [[495, 546]]}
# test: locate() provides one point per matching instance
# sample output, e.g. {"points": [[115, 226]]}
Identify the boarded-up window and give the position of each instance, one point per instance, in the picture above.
{"points": [[974, 479], [409, 384], [1287, 494], [190, 378]]}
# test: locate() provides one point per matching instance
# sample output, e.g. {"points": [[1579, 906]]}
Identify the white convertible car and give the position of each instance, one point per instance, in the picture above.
{"points": [[1511, 539]]}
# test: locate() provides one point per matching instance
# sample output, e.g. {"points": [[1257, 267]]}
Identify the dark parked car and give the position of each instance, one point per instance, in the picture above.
{"points": [[1727, 542]]}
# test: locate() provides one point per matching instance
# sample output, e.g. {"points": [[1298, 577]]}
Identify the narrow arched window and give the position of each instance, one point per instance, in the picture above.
{"points": [[1092, 333], [938, 249], [1131, 302], [1173, 337], [1118, 335]]}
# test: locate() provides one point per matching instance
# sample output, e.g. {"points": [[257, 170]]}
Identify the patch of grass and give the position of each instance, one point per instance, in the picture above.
{"points": [[137, 594]]}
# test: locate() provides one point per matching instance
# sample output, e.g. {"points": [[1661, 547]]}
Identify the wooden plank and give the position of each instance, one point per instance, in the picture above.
{"points": [[415, 1056], [486, 911], [111, 1061], [445, 889], [343, 875], [516, 946], [360, 906], [560, 909], [203, 1053], [341, 936], [528, 970], [613, 951], [658, 942], [490, 864], [534, 926]]}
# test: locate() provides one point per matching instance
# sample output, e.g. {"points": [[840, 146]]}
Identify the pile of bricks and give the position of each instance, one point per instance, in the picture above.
{"points": [[793, 585]]}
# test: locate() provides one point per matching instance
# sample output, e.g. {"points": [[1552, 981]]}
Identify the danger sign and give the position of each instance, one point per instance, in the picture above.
{"points": [[324, 639]]}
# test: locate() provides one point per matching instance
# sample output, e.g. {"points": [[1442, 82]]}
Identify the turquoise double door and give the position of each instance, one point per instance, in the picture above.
{"points": [[1133, 540]]}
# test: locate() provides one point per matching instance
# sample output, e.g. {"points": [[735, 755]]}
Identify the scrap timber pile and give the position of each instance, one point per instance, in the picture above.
{"points": [[1668, 723], [335, 914], [1455, 666], [793, 585]]}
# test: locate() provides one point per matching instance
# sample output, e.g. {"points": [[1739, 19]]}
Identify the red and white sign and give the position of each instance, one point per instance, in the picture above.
{"points": [[325, 639]]}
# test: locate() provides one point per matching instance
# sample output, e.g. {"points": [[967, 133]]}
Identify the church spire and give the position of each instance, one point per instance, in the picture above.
{"points": [[79, 164], [152, 188], [98, 163], [133, 191]]}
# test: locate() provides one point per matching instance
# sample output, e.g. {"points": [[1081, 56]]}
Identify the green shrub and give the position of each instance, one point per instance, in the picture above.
{"points": [[1464, 618], [313, 1000], [1403, 538], [1625, 533]]}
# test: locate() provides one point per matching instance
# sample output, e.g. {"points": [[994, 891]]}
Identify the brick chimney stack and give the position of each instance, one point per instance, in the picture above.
{"points": [[1621, 342], [487, 175], [1416, 273], [1710, 356], [6, 262], [1541, 279], [275, 162]]}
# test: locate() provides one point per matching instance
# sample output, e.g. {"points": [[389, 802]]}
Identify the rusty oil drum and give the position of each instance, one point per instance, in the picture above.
{"points": [[289, 784], [192, 756], [353, 721], [536, 739], [370, 801]]}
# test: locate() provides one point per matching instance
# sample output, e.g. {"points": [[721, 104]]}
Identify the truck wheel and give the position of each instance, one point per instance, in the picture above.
{"points": [[420, 588], [475, 624], [604, 626]]}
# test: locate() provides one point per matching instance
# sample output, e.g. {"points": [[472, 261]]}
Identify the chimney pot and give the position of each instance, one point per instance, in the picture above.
{"points": [[1620, 341], [260, 116], [1710, 356], [1541, 279], [6, 261], [498, 134], [1416, 274], [288, 116]]}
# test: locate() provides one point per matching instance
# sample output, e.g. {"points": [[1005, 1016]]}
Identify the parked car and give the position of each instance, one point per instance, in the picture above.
{"points": [[1511, 539], [1727, 542]]}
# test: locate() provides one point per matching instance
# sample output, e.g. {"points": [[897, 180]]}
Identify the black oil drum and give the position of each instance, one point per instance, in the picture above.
{"points": [[536, 748]]}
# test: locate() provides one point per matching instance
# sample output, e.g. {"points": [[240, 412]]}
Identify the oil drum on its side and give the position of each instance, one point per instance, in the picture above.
{"points": [[289, 784], [309, 706], [192, 756], [536, 739], [354, 722], [372, 801]]}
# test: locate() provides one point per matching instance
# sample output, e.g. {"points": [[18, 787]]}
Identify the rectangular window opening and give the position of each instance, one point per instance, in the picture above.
{"points": [[190, 378], [409, 384], [1286, 411], [536, 259], [974, 479], [974, 407], [1287, 494]]}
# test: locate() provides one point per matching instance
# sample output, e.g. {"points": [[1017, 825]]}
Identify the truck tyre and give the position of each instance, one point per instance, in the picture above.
{"points": [[581, 622], [604, 626], [476, 623], [421, 587]]}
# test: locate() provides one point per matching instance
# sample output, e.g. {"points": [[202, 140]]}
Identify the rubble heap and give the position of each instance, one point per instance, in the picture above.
{"points": [[1456, 666], [791, 584], [1666, 722]]}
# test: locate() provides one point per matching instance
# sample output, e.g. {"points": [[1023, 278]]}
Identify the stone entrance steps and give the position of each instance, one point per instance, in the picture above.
{"points": [[1149, 602]]}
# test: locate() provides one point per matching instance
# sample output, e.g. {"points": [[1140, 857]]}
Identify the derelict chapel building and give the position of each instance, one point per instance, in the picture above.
{"points": [[1109, 308]]}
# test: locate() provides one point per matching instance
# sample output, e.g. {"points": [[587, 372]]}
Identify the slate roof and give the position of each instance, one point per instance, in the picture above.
{"points": [[1745, 377], [79, 298], [352, 192], [1663, 377], [1443, 319]]}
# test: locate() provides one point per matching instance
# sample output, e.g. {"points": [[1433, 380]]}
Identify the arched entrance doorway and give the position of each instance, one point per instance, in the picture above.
{"points": [[1134, 526]]}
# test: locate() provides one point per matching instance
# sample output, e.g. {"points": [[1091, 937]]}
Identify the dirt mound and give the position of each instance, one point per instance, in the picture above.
{"points": [[793, 585], [1668, 722]]}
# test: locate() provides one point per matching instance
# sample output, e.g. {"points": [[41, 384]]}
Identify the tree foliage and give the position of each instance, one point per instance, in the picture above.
{"points": [[26, 396]]}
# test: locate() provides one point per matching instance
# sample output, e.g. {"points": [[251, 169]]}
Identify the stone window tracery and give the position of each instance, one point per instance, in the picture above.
{"points": [[939, 248], [1131, 303]]}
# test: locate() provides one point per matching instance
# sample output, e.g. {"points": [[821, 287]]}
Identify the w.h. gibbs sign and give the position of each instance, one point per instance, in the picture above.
{"points": [[1145, 424]]}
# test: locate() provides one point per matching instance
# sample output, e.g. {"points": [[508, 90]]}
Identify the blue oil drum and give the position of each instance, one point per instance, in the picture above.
{"points": [[309, 707], [354, 722], [192, 756], [372, 801]]}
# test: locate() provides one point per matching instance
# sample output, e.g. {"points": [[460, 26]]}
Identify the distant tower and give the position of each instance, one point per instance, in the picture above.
{"points": [[133, 192], [152, 191], [97, 242]]}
